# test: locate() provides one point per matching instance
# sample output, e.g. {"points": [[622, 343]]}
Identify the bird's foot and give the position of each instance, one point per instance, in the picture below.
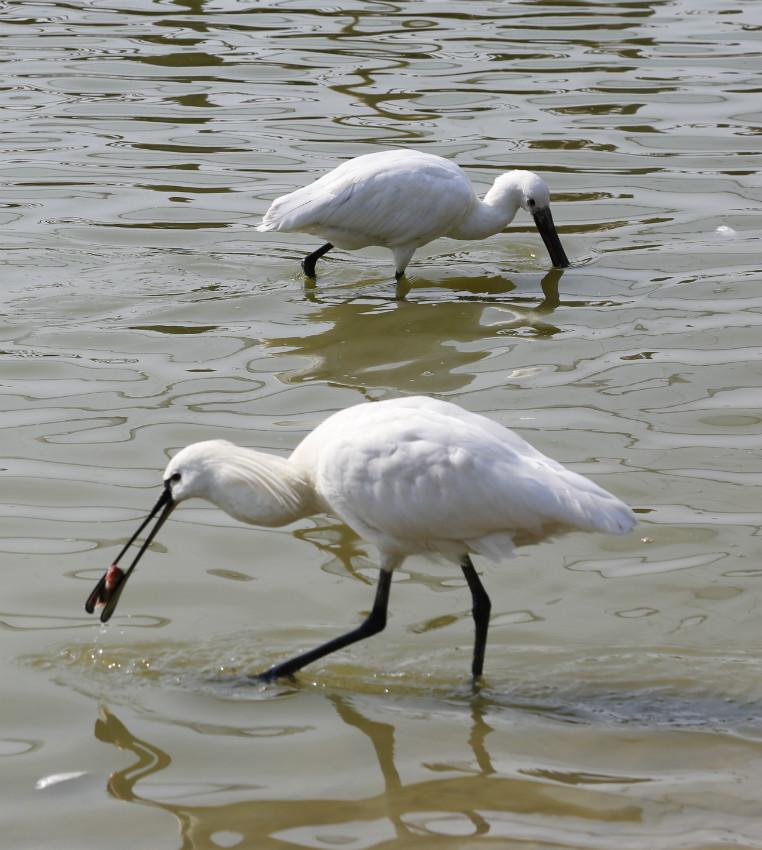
{"points": [[402, 288], [265, 678], [270, 676], [477, 685]]}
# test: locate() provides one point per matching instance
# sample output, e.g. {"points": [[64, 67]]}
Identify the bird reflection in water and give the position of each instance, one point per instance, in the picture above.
{"points": [[431, 347], [473, 796]]}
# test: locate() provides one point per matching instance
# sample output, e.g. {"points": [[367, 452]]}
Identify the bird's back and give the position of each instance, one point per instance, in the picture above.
{"points": [[417, 474], [390, 198]]}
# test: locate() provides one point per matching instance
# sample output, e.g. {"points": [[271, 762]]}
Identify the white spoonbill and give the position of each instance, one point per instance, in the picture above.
{"points": [[410, 475], [402, 199]]}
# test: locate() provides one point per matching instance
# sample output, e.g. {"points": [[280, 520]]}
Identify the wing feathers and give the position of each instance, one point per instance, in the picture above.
{"points": [[390, 198], [426, 477]]}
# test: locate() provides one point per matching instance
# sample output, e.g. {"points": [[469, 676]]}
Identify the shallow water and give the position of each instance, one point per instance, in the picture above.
{"points": [[622, 705]]}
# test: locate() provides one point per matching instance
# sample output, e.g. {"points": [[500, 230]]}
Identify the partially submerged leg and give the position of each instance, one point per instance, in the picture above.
{"points": [[373, 623], [481, 611], [401, 288], [308, 263], [403, 254]]}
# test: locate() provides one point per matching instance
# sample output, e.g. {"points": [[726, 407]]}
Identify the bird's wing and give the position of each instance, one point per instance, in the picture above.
{"points": [[433, 475], [389, 198]]}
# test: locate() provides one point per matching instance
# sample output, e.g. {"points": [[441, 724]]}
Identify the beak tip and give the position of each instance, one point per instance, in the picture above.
{"points": [[108, 590]]}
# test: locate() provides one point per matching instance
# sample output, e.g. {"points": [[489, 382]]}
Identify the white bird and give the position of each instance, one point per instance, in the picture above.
{"points": [[410, 475], [402, 199]]}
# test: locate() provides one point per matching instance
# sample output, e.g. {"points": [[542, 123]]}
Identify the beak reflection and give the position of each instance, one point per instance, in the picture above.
{"points": [[109, 588]]}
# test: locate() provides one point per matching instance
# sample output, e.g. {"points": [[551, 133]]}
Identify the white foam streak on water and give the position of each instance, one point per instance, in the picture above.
{"points": [[57, 779]]}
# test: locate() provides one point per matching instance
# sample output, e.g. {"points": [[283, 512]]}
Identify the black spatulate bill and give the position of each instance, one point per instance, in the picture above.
{"points": [[543, 220], [110, 587]]}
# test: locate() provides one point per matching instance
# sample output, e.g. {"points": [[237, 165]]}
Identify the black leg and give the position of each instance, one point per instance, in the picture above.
{"points": [[481, 611], [373, 624], [308, 263]]}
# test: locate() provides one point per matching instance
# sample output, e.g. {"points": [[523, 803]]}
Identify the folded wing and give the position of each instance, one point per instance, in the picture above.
{"points": [[388, 198], [435, 477]]}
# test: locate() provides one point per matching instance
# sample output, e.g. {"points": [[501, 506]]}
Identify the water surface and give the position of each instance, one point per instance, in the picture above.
{"points": [[622, 705]]}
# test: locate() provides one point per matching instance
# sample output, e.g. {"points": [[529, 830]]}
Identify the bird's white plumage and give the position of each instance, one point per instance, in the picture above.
{"points": [[418, 474], [402, 199], [391, 198], [410, 475]]}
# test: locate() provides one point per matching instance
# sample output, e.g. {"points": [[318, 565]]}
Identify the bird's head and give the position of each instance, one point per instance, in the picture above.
{"points": [[531, 193], [251, 486], [186, 475], [194, 471]]}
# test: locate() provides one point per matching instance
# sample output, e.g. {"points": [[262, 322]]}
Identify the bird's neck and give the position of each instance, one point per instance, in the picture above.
{"points": [[262, 489], [491, 215]]}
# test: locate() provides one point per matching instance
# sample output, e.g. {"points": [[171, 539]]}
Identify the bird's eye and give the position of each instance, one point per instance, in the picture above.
{"points": [[532, 202], [174, 478]]}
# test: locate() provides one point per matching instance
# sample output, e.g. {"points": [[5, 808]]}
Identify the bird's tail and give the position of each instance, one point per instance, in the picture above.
{"points": [[289, 212], [575, 502], [601, 511]]}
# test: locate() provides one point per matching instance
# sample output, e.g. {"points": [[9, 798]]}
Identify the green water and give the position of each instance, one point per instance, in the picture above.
{"points": [[622, 703]]}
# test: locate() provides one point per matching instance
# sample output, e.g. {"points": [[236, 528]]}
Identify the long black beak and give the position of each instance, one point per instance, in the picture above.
{"points": [[109, 588], [544, 221]]}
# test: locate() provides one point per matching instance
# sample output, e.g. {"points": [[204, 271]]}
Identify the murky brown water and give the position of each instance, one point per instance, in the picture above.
{"points": [[622, 706]]}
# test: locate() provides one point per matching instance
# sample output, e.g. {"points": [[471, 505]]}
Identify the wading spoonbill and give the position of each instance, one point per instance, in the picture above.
{"points": [[402, 199], [410, 475]]}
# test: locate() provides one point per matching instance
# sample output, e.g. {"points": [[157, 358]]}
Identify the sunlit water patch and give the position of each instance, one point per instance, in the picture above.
{"points": [[653, 688]]}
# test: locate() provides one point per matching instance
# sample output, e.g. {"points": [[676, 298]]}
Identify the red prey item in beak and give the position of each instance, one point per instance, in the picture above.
{"points": [[105, 588], [109, 588]]}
